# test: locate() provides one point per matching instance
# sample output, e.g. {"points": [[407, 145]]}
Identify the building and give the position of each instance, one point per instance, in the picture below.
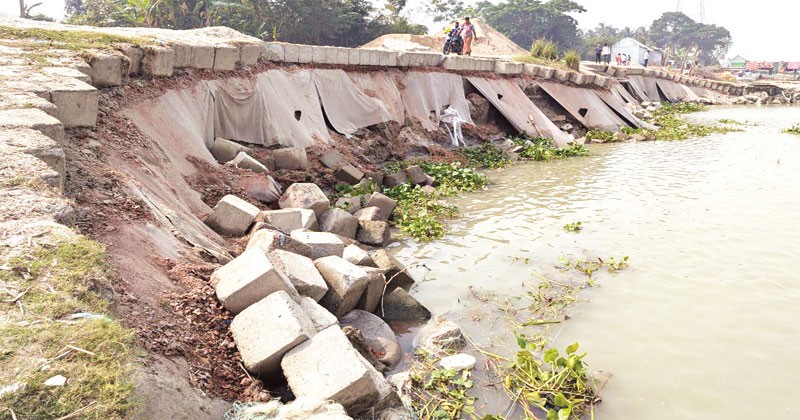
{"points": [[737, 62], [637, 51]]}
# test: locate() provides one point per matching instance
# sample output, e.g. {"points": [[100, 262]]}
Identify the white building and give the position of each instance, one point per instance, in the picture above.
{"points": [[637, 52]]}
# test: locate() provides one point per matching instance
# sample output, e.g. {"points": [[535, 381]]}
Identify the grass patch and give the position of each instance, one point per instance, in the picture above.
{"points": [[38, 341], [44, 39], [544, 49], [795, 129], [529, 59], [543, 149], [573, 60]]}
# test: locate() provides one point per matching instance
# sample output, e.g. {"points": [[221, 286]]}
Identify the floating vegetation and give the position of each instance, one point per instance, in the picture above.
{"points": [[439, 394], [730, 121], [454, 178], [420, 214], [573, 227], [795, 129], [542, 149], [486, 155], [589, 267], [670, 127], [602, 136]]}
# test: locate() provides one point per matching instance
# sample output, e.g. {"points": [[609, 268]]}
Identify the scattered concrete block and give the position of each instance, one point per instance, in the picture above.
{"points": [[301, 272], [458, 362], [376, 178], [158, 61], [322, 244], [305, 196], [415, 175], [396, 274], [340, 222], [225, 150], [320, 317], [287, 220], [358, 256], [328, 368], [249, 278], [332, 159], [245, 161], [382, 202], [394, 180], [232, 216], [270, 240], [370, 214], [398, 305], [202, 57], [380, 338], [348, 204], [441, 335], [292, 158], [225, 58], [374, 233], [373, 293], [107, 70], [249, 54], [349, 174], [346, 282], [267, 330]]}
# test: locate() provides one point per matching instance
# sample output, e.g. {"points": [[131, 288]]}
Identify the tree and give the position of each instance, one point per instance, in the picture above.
{"points": [[675, 31]]}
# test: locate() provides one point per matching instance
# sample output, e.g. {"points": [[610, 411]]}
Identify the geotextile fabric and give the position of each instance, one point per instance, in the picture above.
{"points": [[426, 95]]}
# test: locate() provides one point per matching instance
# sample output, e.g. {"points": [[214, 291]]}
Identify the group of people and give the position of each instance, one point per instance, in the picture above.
{"points": [[602, 54], [467, 33]]}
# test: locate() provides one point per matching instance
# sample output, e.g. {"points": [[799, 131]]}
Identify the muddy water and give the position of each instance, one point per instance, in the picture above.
{"points": [[705, 324]]}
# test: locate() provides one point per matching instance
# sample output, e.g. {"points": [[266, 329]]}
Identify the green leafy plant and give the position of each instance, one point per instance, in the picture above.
{"points": [[439, 394], [670, 127], [603, 136], [572, 60], [542, 149], [418, 214], [730, 121], [454, 178], [485, 156], [344, 189], [544, 48], [795, 129], [573, 227]]}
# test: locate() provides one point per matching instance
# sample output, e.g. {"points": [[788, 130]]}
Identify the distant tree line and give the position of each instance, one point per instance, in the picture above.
{"points": [[320, 22]]}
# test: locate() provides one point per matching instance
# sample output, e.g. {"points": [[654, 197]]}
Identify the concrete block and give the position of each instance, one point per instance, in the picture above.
{"points": [[202, 57], [373, 57], [249, 278], [269, 240], [358, 256], [507, 67], [158, 61], [530, 70], [415, 175], [322, 244], [134, 56], [69, 72], [394, 180], [354, 57], [269, 329], [601, 81], [76, 102], [349, 174], [634, 71], [546, 72], [380, 339], [34, 119], [375, 233], [305, 54], [305, 196], [346, 282], [376, 178], [483, 64], [226, 150], [332, 55], [388, 59], [225, 57], [292, 158], [107, 70], [232, 216], [272, 51], [287, 220], [343, 56], [332, 159], [441, 335], [183, 55], [319, 54], [373, 293], [245, 161], [348, 204], [453, 63], [396, 274], [301, 272], [382, 202], [561, 75], [340, 222], [249, 54], [291, 53], [320, 317], [328, 368], [398, 305]]}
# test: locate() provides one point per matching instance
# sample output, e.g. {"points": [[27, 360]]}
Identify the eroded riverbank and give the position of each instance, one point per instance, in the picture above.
{"points": [[702, 317]]}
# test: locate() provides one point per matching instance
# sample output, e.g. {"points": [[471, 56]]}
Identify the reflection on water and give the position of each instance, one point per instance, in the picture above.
{"points": [[705, 324]]}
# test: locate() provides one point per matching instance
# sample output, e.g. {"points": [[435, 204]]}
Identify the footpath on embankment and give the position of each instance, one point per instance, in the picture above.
{"points": [[196, 158]]}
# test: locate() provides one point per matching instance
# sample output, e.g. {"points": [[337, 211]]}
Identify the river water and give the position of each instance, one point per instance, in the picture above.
{"points": [[705, 324]]}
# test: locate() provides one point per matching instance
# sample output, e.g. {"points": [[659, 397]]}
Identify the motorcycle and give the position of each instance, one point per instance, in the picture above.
{"points": [[453, 44]]}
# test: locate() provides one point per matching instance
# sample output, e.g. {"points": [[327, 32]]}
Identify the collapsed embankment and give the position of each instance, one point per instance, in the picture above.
{"points": [[131, 166]]}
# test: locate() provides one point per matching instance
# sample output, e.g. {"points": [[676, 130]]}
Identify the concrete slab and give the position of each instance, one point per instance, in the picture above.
{"points": [[382, 202], [320, 317], [340, 222], [396, 274], [245, 161], [292, 158], [249, 278], [34, 119], [373, 293], [375, 233]]}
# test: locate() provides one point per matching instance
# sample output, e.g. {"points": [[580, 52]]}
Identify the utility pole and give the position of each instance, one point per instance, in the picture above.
{"points": [[22, 9]]}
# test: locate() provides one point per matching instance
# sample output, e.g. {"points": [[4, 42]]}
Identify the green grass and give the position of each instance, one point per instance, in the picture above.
{"points": [[529, 59], [44, 39], [37, 341], [544, 49], [573, 60]]}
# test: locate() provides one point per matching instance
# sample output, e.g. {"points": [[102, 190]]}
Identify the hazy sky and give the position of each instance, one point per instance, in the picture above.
{"points": [[761, 30]]}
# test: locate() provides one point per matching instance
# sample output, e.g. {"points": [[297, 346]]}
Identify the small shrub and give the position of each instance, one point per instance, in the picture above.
{"points": [[572, 59], [544, 48]]}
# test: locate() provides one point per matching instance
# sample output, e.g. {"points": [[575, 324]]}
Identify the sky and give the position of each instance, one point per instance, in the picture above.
{"points": [[762, 31]]}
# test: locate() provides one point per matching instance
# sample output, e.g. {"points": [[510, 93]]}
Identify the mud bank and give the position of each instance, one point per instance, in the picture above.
{"points": [[121, 136]]}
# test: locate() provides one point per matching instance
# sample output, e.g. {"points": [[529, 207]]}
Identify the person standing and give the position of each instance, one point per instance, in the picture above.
{"points": [[606, 51], [598, 53], [646, 57], [468, 34], [619, 59]]}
